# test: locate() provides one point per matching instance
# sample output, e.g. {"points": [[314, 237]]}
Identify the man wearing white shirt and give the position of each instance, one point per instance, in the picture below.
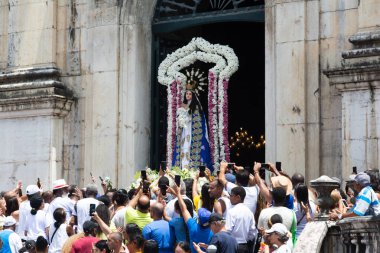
{"points": [[25, 208], [83, 206], [240, 221], [11, 241], [60, 191], [242, 179]]}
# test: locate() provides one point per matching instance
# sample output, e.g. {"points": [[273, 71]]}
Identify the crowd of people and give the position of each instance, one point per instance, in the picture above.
{"points": [[232, 210]]}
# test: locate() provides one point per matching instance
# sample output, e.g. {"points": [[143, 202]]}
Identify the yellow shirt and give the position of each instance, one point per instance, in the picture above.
{"points": [[103, 236], [137, 217], [197, 203]]}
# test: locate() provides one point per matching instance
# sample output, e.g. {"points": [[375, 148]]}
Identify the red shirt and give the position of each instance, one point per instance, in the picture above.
{"points": [[84, 245]]}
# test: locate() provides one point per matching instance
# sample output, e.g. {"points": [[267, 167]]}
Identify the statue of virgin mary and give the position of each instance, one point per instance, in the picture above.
{"points": [[192, 147]]}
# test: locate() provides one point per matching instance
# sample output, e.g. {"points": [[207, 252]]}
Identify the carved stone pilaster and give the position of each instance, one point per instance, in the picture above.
{"points": [[33, 92]]}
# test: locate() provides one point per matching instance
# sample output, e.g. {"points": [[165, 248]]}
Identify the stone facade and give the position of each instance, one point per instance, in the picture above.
{"points": [[321, 83]]}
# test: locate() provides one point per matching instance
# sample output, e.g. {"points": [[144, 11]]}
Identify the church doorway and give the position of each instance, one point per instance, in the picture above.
{"points": [[246, 91]]}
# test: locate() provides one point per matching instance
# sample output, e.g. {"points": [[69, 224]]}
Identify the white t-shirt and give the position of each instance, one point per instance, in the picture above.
{"points": [[241, 223], [251, 194], [83, 211], [283, 249], [36, 225], [286, 214], [24, 210], [228, 204], [119, 218], [170, 210], [59, 238], [59, 202]]}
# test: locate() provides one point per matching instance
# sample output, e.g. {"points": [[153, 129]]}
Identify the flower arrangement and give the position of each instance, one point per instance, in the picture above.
{"points": [[226, 63], [153, 175]]}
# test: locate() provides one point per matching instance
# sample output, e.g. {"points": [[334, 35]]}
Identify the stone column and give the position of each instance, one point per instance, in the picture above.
{"points": [[135, 89], [358, 83], [33, 100], [292, 69], [101, 113]]}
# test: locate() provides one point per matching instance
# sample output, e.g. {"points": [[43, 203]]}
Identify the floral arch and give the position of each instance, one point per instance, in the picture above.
{"points": [[226, 64]]}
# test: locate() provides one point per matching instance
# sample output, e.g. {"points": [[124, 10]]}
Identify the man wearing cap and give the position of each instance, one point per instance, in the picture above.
{"points": [[222, 239], [11, 241], [25, 208], [82, 211], [60, 191], [276, 237], [199, 229], [84, 244], [240, 221], [366, 202]]}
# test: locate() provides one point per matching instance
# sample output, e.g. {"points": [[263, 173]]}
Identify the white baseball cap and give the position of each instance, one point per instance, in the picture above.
{"points": [[278, 228], [32, 189], [9, 221]]}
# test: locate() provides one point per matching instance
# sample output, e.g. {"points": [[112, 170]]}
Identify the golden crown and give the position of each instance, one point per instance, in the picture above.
{"points": [[195, 80]]}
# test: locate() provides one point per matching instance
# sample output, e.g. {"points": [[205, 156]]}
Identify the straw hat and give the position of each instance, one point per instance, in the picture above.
{"points": [[283, 182]]}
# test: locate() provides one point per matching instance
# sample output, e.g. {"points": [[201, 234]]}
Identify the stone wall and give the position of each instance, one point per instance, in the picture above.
{"points": [[102, 51]]}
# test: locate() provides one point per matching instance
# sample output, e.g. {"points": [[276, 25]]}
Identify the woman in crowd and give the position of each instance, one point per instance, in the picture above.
{"points": [[304, 209], [338, 206], [59, 231], [102, 216], [36, 219], [204, 200]]}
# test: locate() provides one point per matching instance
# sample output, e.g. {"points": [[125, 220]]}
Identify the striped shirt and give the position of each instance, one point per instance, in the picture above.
{"points": [[366, 198]]}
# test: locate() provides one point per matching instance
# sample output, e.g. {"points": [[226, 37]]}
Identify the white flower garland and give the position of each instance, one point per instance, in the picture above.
{"points": [[169, 72]]}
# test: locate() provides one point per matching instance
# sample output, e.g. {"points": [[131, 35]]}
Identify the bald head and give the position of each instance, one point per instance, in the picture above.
{"points": [[114, 241], [143, 203], [117, 236], [297, 179], [157, 211]]}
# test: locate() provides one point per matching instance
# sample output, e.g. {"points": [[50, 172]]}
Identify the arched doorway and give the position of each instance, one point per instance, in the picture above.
{"points": [[229, 23]]}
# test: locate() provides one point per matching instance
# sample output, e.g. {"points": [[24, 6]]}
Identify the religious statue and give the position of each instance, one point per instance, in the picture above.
{"points": [[192, 147]]}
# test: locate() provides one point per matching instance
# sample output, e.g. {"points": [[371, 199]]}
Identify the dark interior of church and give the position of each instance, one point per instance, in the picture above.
{"points": [[246, 90]]}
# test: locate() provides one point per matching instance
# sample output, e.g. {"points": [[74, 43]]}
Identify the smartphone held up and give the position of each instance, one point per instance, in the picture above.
{"points": [[177, 180], [202, 171], [92, 209]]}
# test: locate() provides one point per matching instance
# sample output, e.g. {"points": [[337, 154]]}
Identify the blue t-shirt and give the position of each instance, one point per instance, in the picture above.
{"points": [[197, 233], [160, 232], [178, 229]]}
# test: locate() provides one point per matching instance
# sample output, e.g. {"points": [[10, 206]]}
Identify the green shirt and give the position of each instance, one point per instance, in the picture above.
{"points": [[137, 217]]}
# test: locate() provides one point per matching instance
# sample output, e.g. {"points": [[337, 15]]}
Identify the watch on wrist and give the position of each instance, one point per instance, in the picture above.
{"points": [[340, 216]]}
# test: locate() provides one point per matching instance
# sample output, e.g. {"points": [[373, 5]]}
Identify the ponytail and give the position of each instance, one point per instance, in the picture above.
{"points": [[33, 211]]}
